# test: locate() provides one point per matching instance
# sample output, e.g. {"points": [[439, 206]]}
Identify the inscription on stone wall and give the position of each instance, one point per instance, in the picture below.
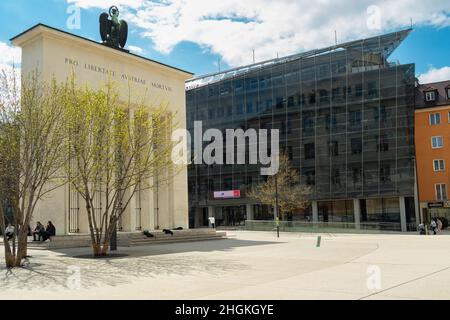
{"points": [[112, 73]]}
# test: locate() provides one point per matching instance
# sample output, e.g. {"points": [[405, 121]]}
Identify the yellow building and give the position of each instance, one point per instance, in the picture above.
{"points": [[55, 53], [432, 139]]}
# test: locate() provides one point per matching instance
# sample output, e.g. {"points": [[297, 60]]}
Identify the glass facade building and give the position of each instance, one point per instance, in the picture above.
{"points": [[346, 120]]}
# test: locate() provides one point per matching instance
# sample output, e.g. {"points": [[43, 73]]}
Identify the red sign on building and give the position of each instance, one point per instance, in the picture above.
{"points": [[233, 194]]}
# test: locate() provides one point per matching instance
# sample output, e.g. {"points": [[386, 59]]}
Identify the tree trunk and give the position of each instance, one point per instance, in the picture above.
{"points": [[105, 249], [105, 246], [22, 247], [97, 249], [9, 257]]}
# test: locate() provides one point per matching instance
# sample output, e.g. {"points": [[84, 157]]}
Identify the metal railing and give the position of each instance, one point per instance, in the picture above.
{"points": [[74, 211], [329, 227]]}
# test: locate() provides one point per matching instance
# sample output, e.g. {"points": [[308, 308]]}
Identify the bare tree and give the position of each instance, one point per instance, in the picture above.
{"points": [[284, 188], [116, 149], [32, 151]]}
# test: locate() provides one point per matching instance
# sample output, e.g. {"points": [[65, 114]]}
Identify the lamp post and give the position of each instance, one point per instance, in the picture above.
{"points": [[276, 215], [113, 241]]}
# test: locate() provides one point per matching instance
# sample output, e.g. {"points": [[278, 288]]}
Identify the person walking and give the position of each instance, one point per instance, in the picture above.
{"points": [[439, 225], [421, 229], [212, 220], [433, 226]]}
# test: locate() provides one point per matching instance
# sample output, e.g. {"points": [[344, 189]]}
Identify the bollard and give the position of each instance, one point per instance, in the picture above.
{"points": [[278, 227], [319, 240]]}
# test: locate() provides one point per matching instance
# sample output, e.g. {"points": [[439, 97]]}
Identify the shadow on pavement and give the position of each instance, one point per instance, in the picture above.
{"points": [[64, 269], [173, 248]]}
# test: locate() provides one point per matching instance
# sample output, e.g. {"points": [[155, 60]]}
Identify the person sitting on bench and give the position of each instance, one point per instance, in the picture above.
{"points": [[39, 231], [50, 232], [9, 232]]}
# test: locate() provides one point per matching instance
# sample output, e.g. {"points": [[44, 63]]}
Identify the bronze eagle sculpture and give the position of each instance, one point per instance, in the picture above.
{"points": [[114, 32]]}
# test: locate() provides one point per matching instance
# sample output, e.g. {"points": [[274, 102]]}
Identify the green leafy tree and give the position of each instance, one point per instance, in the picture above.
{"points": [[116, 149], [32, 152]]}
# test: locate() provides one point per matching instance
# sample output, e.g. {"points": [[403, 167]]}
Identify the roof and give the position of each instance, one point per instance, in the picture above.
{"points": [[383, 44], [442, 97], [17, 37]]}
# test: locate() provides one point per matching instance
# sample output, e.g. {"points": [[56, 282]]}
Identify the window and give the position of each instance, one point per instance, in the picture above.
{"points": [[301, 99], [228, 184], [312, 97], [331, 122], [382, 115], [308, 123], [290, 152], [355, 118], [211, 113], [336, 177], [283, 128], [225, 88], [310, 151], [430, 96], [291, 102], [253, 83], [238, 85], [447, 90], [286, 127], [356, 174], [280, 102], [385, 174], [229, 111], [310, 177], [249, 107], [438, 165], [383, 143], [212, 91], [335, 93], [240, 109], [437, 142], [359, 90], [210, 185], [372, 89], [220, 112], [259, 106], [333, 148], [356, 145], [441, 192], [323, 96], [347, 92], [435, 119]]}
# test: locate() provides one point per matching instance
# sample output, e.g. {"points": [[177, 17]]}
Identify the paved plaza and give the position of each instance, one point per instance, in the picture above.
{"points": [[248, 265]]}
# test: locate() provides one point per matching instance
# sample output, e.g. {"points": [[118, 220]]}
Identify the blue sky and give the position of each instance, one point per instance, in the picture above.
{"points": [[194, 35]]}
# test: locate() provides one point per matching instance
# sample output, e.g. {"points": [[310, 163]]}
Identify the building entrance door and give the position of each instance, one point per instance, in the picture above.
{"points": [[233, 216]]}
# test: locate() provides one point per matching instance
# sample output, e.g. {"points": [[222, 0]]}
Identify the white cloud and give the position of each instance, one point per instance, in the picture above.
{"points": [[10, 60], [87, 4], [10, 55], [136, 49], [435, 75], [233, 28]]}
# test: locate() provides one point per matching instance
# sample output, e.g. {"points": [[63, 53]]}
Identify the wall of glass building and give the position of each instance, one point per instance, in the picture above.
{"points": [[346, 120]]}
